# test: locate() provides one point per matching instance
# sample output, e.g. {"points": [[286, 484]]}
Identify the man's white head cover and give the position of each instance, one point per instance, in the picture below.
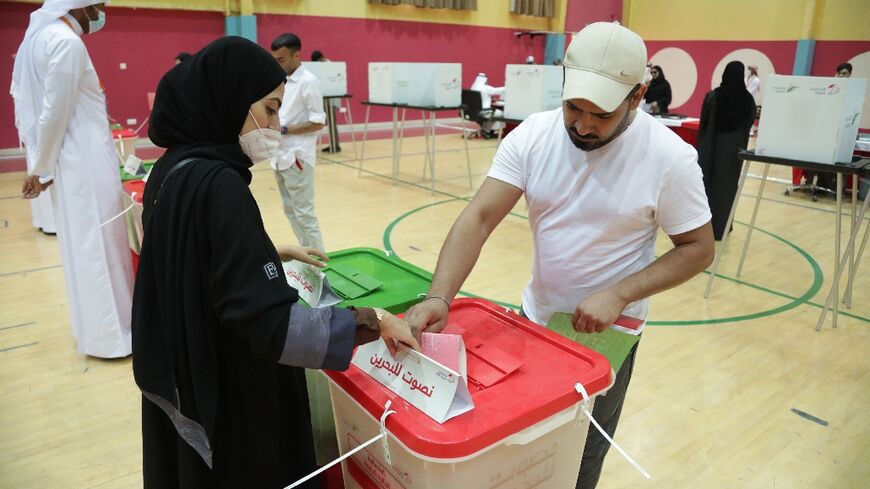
{"points": [[25, 89]]}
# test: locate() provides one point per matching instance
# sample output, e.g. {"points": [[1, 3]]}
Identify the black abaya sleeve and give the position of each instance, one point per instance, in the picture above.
{"points": [[250, 295]]}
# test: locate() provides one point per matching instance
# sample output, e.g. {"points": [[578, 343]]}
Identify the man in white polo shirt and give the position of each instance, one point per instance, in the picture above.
{"points": [[301, 117], [599, 177]]}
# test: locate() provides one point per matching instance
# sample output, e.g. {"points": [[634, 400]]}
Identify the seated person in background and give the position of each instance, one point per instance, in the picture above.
{"points": [[219, 337], [487, 92], [726, 116], [844, 70], [658, 95]]}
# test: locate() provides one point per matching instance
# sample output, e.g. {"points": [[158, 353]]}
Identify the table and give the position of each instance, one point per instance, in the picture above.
{"points": [[862, 148], [685, 127], [506, 120], [331, 123], [857, 167], [399, 132]]}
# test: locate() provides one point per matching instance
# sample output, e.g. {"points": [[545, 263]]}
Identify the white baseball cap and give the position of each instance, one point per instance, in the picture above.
{"points": [[603, 63]]}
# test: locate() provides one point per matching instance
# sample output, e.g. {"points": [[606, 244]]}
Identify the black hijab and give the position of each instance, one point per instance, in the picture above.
{"points": [[734, 104], [659, 90], [185, 286], [201, 104]]}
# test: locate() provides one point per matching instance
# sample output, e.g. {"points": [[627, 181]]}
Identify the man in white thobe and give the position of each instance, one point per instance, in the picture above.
{"points": [[60, 111], [487, 92]]}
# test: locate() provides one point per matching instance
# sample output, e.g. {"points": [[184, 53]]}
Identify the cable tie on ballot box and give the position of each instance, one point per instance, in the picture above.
{"points": [[381, 436], [585, 407]]}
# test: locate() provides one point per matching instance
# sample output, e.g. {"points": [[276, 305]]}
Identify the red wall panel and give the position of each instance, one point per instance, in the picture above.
{"points": [[359, 41], [580, 12], [147, 40], [707, 54], [829, 54]]}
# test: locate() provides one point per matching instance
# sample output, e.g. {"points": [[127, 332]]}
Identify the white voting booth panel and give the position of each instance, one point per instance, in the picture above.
{"points": [[810, 118], [530, 89], [332, 76], [434, 84], [419, 84], [388, 82]]}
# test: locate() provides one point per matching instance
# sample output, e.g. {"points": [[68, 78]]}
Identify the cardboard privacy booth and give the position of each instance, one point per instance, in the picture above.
{"points": [[434, 84], [525, 429], [530, 89], [332, 76], [810, 118], [418, 84], [388, 82]]}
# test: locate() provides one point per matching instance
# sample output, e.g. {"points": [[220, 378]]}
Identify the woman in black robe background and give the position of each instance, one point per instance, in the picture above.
{"points": [[658, 92], [218, 336], [727, 114]]}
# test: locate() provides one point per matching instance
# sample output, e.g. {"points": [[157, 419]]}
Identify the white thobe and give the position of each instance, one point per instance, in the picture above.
{"points": [[753, 85], [42, 207], [75, 148]]}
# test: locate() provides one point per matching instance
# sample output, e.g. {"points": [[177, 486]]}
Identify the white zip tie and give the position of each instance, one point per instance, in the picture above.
{"points": [[382, 435], [582, 391], [122, 212], [141, 126]]}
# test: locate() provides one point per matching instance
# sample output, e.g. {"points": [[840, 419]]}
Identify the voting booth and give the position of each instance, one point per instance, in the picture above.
{"points": [[525, 430], [418, 84], [810, 118], [332, 76], [530, 89]]}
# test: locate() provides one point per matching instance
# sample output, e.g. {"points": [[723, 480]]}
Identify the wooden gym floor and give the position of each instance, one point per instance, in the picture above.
{"points": [[711, 404]]}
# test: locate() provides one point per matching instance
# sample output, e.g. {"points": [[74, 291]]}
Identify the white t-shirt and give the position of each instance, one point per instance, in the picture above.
{"points": [[594, 215], [303, 102]]}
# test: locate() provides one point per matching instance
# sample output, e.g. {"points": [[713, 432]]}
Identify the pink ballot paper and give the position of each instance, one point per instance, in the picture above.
{"points": [[433, 381]]}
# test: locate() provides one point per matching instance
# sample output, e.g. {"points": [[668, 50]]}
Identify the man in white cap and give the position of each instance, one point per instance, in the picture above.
{"points": [[599, 177], [60, 112]]}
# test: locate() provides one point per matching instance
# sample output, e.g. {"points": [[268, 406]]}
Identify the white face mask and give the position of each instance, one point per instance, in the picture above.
{"points": [[95, 25], [260, 144]]}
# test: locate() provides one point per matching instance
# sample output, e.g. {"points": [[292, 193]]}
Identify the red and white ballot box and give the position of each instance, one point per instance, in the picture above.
{"points": [[125, 142], [526, 428]]}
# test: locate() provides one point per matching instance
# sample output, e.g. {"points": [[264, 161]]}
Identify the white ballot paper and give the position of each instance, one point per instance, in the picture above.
{"points": [[311, 283], [430, 386]]}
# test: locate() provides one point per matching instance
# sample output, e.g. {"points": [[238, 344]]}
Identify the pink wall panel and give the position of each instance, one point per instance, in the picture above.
{"points": [[147, 40], [359, 41], [707, 54], [829, 54], [582, 12]]}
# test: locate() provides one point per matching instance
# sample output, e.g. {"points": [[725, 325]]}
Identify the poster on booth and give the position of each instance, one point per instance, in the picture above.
{"points": [[311, 284], [436, 387]]}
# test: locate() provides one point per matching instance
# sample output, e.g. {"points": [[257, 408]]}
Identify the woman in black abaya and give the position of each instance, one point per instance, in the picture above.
{"points": [[658, 93], [727, 114], [218, 335]]}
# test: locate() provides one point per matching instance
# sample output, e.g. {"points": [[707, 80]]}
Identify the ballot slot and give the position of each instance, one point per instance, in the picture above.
{"points": [[350, 283], [487, 364]]}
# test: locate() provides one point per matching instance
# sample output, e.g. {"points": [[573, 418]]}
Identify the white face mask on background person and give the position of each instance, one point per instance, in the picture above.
{"points": [[260, 144], [95, 25]]}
